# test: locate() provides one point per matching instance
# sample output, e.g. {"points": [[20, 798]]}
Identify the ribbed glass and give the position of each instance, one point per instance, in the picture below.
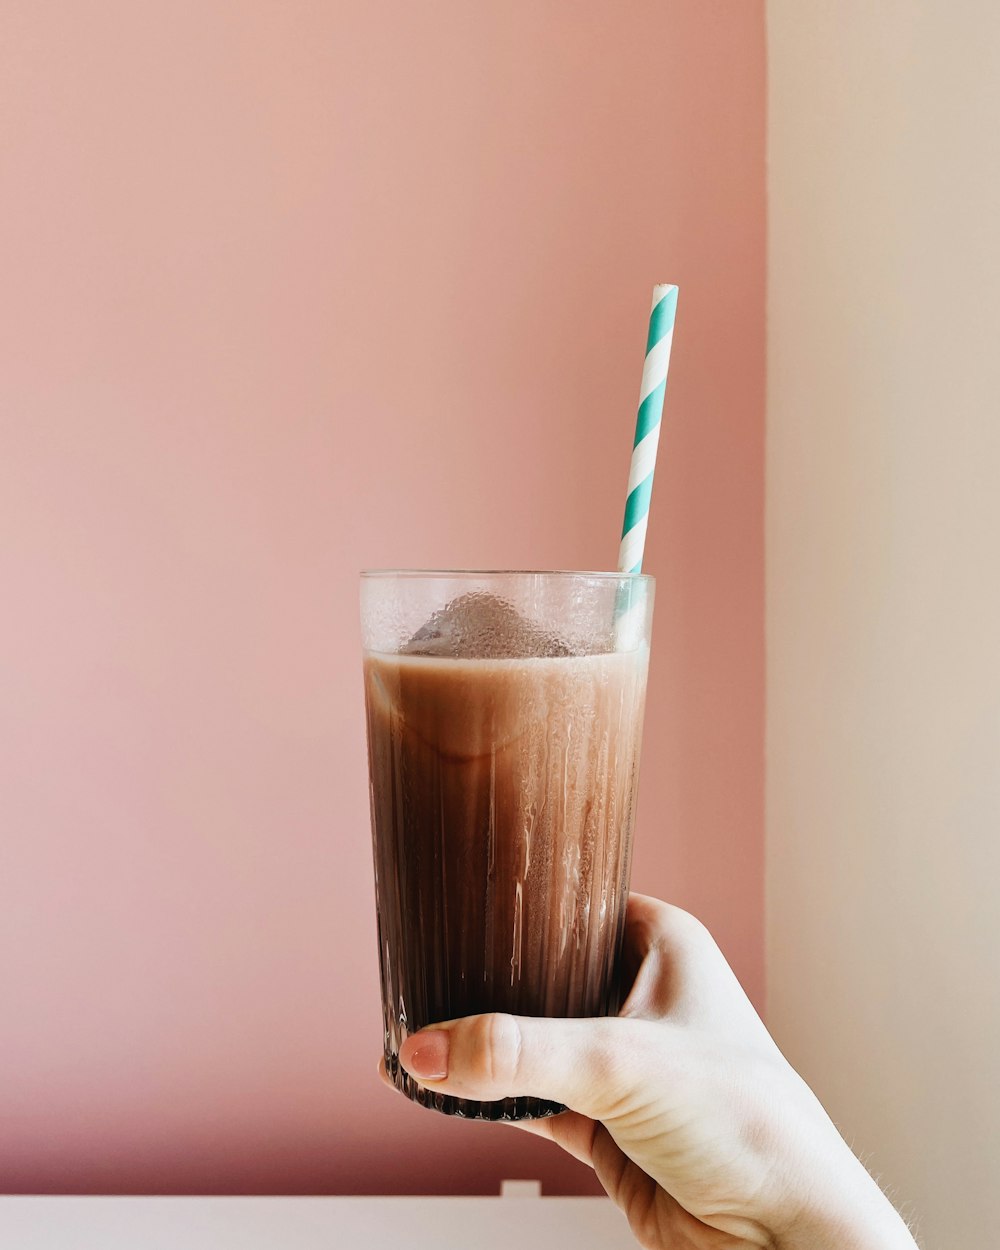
{"points": [[502, 795]]}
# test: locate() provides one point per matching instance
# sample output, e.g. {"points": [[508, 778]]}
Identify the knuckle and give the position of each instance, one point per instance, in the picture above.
{"points": [[505, 1051], [685, 919], [688, 927], [494, 1052]]}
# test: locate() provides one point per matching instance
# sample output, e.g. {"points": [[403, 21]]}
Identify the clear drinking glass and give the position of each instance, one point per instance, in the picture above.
{"points": [[504, 726]]}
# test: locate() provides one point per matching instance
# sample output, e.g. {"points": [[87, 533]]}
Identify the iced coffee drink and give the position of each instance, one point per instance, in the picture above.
{"points": [[504, 729]]}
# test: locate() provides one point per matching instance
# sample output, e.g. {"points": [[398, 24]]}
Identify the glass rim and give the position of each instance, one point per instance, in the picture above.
{"points": [[582, 574]]}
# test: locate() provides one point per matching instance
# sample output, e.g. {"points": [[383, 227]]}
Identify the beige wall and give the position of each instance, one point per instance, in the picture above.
{"points": [[883, 609]]}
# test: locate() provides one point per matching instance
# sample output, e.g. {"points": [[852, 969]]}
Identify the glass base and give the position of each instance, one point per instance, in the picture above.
{"points": [[469, 1108]]}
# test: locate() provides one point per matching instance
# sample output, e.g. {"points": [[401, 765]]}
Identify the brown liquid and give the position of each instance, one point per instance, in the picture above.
{"points": [[502, 805]]}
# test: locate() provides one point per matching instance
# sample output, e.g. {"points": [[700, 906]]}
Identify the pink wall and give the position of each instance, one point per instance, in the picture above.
{"points": [[290, 289]]}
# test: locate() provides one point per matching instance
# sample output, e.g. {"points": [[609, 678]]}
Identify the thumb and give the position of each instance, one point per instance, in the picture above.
{"points": [[590, 1065]]}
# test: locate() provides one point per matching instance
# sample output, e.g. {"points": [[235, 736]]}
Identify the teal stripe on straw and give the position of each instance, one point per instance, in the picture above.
{"points": [[661, 319], [649, 412], [637, 504], [661, 324]]}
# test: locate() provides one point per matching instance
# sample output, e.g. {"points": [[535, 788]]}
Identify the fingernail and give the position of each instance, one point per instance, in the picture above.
{"points": [[425, 1055]]}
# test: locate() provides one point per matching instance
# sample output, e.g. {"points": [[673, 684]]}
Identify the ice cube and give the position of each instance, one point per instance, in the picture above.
{"points": [[482, 626]]}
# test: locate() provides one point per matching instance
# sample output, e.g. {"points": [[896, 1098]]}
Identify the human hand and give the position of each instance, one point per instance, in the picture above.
{"points": [[695, 1124]]}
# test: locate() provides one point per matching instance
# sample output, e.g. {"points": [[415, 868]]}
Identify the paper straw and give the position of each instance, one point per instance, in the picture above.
{"points": [[647, 428]]}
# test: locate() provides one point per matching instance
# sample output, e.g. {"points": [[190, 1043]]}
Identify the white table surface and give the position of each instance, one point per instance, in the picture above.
{"points": [[126, 1223]]}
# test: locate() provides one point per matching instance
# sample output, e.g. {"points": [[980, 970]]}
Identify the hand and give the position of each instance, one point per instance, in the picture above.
{"points": [[692, 1119]]}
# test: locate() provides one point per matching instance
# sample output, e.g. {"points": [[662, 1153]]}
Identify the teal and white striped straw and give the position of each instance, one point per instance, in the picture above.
{"points": [[647, 428]]}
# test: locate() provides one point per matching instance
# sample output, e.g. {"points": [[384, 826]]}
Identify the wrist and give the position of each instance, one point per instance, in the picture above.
{"points": [[850, 1212], [826, 1198]]}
